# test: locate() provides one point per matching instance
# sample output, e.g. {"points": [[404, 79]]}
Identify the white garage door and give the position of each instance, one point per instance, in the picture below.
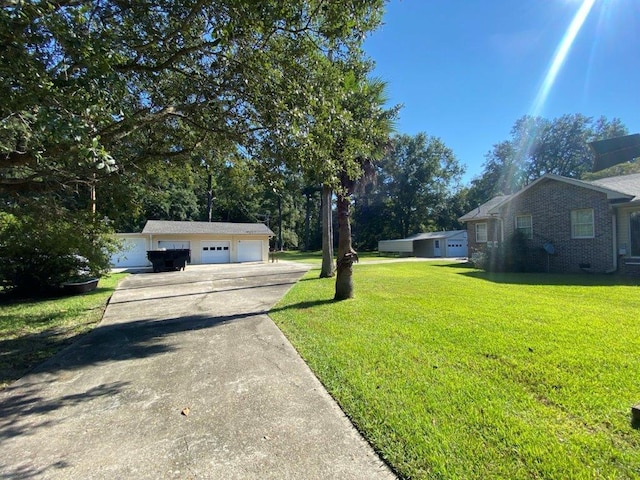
{"points": [[249, 250], [133, 254], [215, 252], [456, 248], [174, 244]]}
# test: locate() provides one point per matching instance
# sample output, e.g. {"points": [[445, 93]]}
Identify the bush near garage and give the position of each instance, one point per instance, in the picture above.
{"points": [[40, 250]]}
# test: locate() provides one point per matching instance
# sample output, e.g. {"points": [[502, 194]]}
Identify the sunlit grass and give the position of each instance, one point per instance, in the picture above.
{"points": [[33, 330], [315, 257], [452, 373]]}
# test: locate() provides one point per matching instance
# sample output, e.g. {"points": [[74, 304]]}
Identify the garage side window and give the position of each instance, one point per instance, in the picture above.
{"points": [[481, 232]]}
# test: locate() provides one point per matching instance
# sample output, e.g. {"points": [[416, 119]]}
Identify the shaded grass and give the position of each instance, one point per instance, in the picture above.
{"points": [[315, 257], [32, 330], [452, 373]]}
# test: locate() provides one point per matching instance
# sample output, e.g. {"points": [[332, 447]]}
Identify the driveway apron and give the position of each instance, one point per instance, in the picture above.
{"points": [[186, 377]]}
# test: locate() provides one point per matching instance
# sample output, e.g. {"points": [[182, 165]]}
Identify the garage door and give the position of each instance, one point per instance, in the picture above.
{"points": [[456, 248], [133, 254], [174, 244], [215, 252], [250, 250]]}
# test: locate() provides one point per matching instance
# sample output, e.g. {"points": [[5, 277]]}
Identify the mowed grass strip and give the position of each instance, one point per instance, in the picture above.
{"points": [[315, 257], [453, 373], [32, 330]]}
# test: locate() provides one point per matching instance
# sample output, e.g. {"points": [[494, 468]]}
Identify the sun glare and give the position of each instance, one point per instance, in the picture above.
{"points": [[558, 59], [560, 54]]}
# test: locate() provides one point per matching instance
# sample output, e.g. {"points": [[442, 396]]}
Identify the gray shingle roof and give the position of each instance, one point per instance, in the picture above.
{"points": [[211, 228], [429, 235], [628, 184], [433, 235], [624, 188], [482, 212]]}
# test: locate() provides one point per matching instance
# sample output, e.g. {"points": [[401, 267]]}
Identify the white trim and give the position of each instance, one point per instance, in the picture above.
{"points": [[486, 232], [530, 227], [630, 251], [611, 194], [574, 224], [614, 228]]}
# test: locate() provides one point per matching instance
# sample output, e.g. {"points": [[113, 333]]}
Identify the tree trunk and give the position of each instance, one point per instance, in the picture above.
{"points": [[327, 234], [307, 223], [346, 255]]}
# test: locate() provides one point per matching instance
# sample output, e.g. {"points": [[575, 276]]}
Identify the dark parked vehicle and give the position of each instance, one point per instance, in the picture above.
{"points": [[169, 260]]}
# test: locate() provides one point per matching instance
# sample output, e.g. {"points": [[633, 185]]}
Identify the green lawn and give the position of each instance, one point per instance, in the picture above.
{"points": [[453, 373], [33, 330], [315, 257]]}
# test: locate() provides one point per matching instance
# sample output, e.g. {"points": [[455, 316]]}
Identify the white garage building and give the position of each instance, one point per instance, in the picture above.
{"points": [[209, 242], [450, 244]]}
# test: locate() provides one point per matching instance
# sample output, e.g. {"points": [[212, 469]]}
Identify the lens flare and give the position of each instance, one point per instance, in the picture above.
{"points": [[561, 54], [530, 131]]}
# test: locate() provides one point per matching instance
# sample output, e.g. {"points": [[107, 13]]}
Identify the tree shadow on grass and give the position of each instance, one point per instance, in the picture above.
{"points": [[563, 279], [303, 305], [458, 265], [12, 298]]}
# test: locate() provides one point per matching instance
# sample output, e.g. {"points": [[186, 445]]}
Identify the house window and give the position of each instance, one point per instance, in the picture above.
{"points": [[582, 223], [436, 243], [524, 224], [481, 233], [634, 230]]}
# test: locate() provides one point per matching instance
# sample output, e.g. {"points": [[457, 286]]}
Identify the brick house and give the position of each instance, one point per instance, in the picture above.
{"points": [[570, 225]]}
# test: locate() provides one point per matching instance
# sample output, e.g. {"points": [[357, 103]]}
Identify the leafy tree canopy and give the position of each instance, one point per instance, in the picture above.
{"points": [[88, 87], [538, 146], [413, 189]]}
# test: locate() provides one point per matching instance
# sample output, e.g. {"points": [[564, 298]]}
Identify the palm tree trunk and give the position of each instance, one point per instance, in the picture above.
{"points": [[327, 234], [346, 255]]}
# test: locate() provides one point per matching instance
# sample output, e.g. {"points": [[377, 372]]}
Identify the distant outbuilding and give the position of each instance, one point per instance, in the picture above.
{"points": [[209, 242], [449, 244]]}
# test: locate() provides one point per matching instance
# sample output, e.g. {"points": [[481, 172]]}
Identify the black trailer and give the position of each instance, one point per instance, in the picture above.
{"points": [[169, 260]]}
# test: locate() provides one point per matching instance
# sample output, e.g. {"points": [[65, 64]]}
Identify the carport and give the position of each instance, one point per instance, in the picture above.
{"points": [[448, 244]]}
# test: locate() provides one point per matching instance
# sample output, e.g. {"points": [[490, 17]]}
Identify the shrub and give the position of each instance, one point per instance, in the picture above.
{"points": [[39, 250], [510, 256]]}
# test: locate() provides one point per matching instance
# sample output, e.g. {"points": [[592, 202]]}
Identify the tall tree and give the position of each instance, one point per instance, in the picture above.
{"points": [[417, 174], [365, 134], [538, 146], [327, 269], [92, 87]]}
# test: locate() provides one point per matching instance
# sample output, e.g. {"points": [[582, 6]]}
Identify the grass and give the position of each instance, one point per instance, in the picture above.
{"points": [[33, 330], [453, 373], [315, 257]]}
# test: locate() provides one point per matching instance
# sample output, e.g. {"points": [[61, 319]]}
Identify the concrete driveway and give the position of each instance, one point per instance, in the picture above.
{"points": [[188, 378]]}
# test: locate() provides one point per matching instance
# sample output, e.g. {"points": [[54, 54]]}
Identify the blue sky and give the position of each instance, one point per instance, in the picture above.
{"points": [[466, 70]]}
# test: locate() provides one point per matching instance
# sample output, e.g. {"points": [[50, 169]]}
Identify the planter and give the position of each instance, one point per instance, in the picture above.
{"points": [[80, 287]]}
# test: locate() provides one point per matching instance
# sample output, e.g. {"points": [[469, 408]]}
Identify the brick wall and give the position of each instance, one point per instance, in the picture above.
{"points": [[630, 267], [493, 234], [550, 203]]}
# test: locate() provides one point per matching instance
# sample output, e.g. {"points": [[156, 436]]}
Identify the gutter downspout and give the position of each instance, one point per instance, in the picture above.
{"points": [[614, 225], [501, 220]]}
